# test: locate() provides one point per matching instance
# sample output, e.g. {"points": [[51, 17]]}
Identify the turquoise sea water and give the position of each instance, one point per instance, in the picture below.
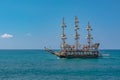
{"points": [[40, 65]]}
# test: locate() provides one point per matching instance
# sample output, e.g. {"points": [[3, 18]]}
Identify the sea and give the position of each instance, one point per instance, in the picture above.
{"points": [[41, 65]]}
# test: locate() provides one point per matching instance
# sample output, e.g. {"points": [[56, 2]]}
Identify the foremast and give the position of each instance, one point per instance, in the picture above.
{"points": [[63, 36], [89, 36], [76, 37]]}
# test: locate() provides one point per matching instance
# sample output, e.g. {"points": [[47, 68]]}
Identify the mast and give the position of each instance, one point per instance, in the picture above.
{"points": [[89, 36], [76, 28], [63, 36]]}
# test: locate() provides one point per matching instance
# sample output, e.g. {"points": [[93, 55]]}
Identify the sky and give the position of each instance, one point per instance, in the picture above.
{"points": [[34, 24]]}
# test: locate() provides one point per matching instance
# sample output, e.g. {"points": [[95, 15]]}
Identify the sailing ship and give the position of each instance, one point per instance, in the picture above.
{"points": [[89, 50]]}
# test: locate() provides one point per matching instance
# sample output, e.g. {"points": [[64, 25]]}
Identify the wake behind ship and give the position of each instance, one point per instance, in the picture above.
{"points": [[88, 50]]}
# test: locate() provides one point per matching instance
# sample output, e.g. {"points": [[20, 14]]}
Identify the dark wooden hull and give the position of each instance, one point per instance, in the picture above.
{"points": [[79, 55], [75, 54]]}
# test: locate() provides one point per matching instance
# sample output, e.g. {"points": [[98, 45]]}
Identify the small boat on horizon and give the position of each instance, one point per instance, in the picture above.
{"points": [[77, 50]]}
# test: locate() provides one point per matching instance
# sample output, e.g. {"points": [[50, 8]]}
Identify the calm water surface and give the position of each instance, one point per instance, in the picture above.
{"points": [[40, 65]]}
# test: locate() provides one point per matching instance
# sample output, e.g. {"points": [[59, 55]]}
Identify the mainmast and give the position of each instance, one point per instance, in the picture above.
{"points": [[76, 28], [63, 36], [89, 36]]}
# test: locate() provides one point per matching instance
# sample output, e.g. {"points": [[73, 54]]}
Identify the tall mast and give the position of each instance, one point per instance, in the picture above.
{"points": [[76, 28], [63, 36], [89, 36]]}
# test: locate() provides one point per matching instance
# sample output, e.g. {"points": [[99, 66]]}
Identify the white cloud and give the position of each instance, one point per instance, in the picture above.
{"points": [[6, 36]]}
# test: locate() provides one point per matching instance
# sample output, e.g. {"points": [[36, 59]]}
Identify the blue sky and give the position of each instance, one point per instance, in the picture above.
{"points": [[33, 24]]}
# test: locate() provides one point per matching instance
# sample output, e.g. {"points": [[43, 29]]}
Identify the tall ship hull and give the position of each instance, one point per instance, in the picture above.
{"points": [[88, 50], [79, 54], [75, 54]]}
